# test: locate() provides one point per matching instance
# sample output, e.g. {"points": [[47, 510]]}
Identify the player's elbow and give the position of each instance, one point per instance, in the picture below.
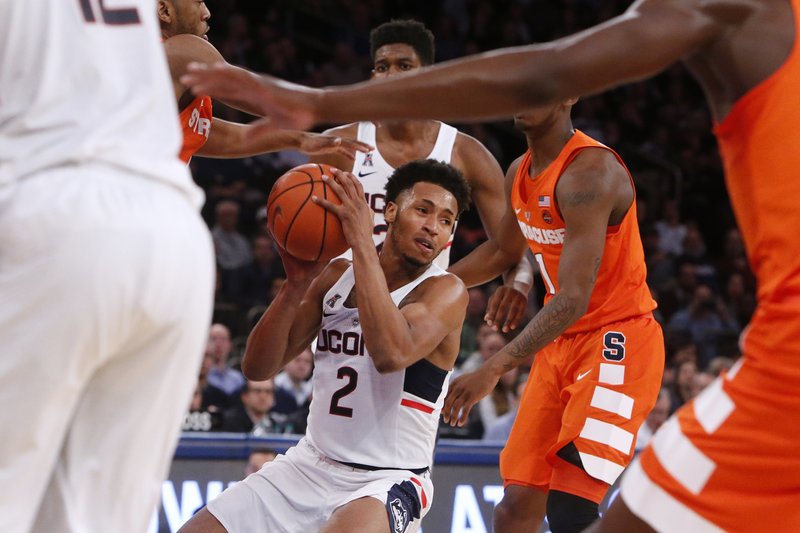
{"points": [[386, 362]]}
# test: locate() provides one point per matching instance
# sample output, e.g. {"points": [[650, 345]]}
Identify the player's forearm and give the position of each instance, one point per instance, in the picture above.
{"points": [[554, 318], [271, 343], [386, 331], [229, 140], [484, 264]]}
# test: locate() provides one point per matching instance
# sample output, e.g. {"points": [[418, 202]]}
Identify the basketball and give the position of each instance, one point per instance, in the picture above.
{"points": [[304, 229]]}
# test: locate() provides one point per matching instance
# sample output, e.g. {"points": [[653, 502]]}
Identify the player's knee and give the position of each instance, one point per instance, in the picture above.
{"points": [[520, 505], [568, 513]]}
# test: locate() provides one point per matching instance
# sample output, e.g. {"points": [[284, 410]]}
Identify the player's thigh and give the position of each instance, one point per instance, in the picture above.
{"points": [[536, 426], [203, 522], [613, 385], [738, 437], [367, 515]]}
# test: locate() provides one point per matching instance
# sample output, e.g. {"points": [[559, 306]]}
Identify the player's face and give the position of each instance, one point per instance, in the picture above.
{"points": [[394, 59], [537, 118], [422, 222], [191, 17]]}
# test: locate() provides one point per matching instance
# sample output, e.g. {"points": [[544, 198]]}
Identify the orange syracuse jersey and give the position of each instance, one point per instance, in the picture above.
{"points": [[620, 291]]}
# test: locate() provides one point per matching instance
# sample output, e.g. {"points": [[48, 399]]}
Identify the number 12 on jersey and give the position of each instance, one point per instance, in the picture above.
{"points": [[112, 16]]}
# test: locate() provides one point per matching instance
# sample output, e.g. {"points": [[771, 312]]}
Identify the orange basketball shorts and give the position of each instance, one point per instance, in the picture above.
{"points": [[727, 461], [593, 389]]}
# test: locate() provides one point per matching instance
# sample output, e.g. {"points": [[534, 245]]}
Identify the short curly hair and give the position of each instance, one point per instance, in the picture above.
{"points": [[430, 171], [410, 32]]}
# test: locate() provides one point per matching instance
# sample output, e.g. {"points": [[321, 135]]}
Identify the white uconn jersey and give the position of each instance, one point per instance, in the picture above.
{"points": [[85, 81], [359, 415], [373, 172]]}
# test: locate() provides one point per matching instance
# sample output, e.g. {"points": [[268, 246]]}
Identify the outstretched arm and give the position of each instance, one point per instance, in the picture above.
{"points": [[643, 41], [231, 140]]}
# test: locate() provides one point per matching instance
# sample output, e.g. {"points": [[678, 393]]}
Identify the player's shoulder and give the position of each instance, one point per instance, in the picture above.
{"points": [[513, 168], [472, 158], [597, 161], [467, 145], [445, 285], [186, 47]]}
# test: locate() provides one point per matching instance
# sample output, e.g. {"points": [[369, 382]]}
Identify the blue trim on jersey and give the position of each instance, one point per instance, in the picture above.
{"points": [[424, 380]]}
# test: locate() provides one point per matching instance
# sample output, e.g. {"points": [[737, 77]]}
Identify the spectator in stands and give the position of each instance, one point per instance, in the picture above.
{"points": [[682, 389], [232, 248], [292, 384], [257, 458], [476, 308], [696, 253], [700, 381], [253, 414], [501, 428], [655, 419], [250, 284], [680, 291], [211, 398], [500, 401], [219, 348], [738, 299], [705, 319], [488, 345], [718, 365], [671, 231]]}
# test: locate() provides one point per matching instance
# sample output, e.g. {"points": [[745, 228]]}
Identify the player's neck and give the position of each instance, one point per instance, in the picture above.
{"points": [[545, 148], [397, 270], [406, 130]]}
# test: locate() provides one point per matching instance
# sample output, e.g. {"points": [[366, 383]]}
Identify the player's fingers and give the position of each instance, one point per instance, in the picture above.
{"points": [[356, 146], [491, 310], [335, 184], [503, 308], [466, 407], [336, 209], [349, 182], [516, 314]]}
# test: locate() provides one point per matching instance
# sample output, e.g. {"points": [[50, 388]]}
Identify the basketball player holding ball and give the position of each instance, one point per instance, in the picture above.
{"points": [[388, 328], [399, 47]]}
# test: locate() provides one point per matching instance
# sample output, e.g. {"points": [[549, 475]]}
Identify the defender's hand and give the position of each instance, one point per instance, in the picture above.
{"points": [[316, 144], [506, 308], [465, 391]]}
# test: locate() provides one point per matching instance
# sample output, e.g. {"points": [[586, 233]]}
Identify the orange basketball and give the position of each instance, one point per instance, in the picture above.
{"points": [[298, 225]]}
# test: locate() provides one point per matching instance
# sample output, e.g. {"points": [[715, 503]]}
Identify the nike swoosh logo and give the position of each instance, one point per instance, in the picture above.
{"points": [[362, 175], [581, 376], [327, 314]]}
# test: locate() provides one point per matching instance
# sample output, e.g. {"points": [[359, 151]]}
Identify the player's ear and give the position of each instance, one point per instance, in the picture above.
{"points": [[390, 212], [164, 10]]}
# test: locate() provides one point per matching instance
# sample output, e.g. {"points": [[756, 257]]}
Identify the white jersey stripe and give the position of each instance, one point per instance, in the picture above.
{"points": [[600, 468], [682, 459], [613, 402], [713, 406], [658, 508], [612, 374], [609, 434]]}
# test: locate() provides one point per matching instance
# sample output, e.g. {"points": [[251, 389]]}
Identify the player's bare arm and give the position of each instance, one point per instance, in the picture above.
{"points": [[336, 160], [650, 35], [293, 318], [232, 140], [594, 192], [396, 337], [497, 255]]}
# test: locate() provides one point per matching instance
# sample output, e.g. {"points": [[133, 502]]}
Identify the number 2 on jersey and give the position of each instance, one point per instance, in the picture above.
{"points": [[111, 16], [351, 375]]}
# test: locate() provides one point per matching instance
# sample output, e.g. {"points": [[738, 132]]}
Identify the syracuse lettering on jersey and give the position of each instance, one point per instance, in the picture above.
{"points": [[199, 125], [541, 235], [336, 342]]}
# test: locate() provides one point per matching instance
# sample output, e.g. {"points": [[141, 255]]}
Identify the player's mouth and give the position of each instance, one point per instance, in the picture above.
{"points": [[425, 245]]}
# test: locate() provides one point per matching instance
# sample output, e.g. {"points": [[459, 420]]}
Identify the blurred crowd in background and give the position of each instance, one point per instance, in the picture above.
{"points": [[696, 262]]}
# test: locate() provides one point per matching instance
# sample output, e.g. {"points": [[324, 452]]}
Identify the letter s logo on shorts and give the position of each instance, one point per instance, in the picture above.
{"points": [[614, 346], [399, 516]]}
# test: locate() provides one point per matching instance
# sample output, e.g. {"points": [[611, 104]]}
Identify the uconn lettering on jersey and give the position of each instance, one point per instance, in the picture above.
{"points": [[336, 342], [541, 235], [201, 126]]}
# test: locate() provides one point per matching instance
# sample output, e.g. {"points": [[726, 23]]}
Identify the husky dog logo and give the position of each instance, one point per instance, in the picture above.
{"points": [[332, 301], [400, 516], [368, 160], [355, 322]]}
